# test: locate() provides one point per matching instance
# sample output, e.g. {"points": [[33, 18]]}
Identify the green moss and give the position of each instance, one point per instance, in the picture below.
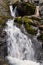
{"points": [[18, 20], [30, 29], [27, 20]]}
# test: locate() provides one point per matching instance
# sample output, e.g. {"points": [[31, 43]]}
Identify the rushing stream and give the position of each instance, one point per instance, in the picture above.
{"points": [[20, 49]]}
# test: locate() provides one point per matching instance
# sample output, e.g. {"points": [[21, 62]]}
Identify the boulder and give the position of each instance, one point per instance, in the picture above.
{"points": [[30, 29], [41, 27], [3, 44], [41, 31], [25, 8], [26, 19], [40, 37], [4, 8], [3, 61], [28, 24], [4, 13]]}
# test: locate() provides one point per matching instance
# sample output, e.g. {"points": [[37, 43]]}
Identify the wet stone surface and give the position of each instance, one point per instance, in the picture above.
{"points": [[3, 45]]}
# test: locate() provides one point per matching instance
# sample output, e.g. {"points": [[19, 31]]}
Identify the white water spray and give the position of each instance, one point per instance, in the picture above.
{"points": [[20, 50], [19, 45], [12, 12]]}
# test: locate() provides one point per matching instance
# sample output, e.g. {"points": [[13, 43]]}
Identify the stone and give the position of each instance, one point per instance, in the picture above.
{"points": [[4, 8], [4, 13], [40, 37], [28, 24], [41, 27], [3, 44], [25, 8], [30, 29], [3, 34], [3, 61]]}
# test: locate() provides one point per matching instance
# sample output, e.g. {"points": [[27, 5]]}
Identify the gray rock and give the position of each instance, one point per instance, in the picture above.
{"points": [[4, 8], [3, 44]]}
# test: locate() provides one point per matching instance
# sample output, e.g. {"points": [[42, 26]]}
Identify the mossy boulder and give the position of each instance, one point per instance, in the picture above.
{"points": [[30, 29], [23, 20], [27, 24], [4, 12], [25, 8], [26, 19], [34, 21]]}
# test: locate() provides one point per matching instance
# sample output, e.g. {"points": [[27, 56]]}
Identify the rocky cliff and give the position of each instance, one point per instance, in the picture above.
{"points": [[4, 8], [4, 12], [4, 15]]}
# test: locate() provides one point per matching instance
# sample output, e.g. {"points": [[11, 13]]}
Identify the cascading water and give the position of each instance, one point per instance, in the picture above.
{"points": [[20, 50]]}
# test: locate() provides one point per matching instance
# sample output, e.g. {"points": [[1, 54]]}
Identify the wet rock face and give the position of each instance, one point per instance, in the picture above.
{"points": [[3, 61], [3, 45], [41, 37], [3, 48], [4, 13], [4, 8], [41, 10]]}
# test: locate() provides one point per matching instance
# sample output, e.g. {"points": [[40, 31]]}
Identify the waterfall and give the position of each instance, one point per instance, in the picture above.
{"points": [[12, 12], [20, 50]]}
